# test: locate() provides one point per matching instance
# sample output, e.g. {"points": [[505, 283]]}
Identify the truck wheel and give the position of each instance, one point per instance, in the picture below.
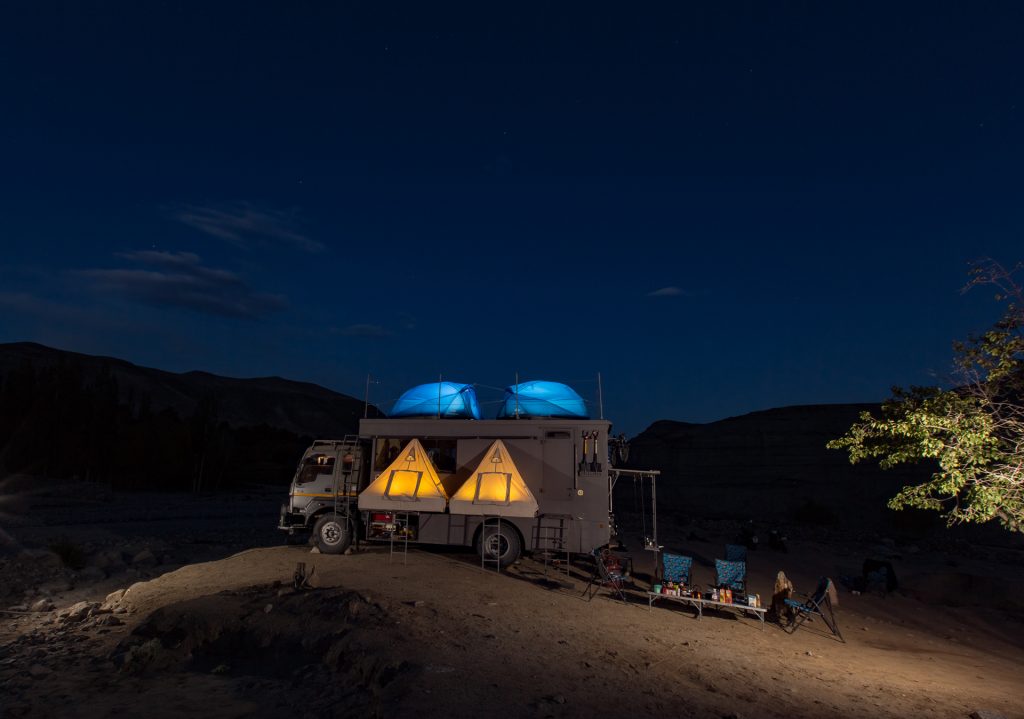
{"points": [[501, 543], [332, 534]]}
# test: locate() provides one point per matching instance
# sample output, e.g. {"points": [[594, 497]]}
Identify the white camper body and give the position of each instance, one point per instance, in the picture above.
{"points": [[544, 482]]}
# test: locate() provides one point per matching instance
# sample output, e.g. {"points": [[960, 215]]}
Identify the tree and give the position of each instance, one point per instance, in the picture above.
{"points": [[973, 432]]}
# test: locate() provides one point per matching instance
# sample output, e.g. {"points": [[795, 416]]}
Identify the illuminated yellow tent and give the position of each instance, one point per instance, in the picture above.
{"points": [[496, 487], [409, 484]]}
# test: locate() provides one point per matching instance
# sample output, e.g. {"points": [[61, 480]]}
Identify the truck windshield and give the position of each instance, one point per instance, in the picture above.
{"points": [[314, 466]]}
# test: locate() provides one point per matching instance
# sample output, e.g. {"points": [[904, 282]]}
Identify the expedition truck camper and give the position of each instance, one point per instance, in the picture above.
{"points": [[503, 486]]}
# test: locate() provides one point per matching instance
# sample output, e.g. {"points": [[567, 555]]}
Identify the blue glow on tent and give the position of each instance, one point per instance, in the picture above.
{"points": [[444, 399], [542, 399]]}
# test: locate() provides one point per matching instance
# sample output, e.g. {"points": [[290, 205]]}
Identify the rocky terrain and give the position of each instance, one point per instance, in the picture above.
{"points": [[199, 615]]}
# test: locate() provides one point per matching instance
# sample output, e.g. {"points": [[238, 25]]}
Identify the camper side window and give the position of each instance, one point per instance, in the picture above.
{"points": [[387, 451], [442, 453], [313, 467]]}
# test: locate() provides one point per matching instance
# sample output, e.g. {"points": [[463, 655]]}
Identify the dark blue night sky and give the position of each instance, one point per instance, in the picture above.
{"points": [[720, 207]]}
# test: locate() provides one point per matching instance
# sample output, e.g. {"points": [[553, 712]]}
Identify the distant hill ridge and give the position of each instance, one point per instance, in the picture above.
{"points": [[770, 465], [303, 408]]}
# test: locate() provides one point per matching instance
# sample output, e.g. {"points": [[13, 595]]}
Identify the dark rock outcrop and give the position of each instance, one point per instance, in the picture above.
{"points": [[773, 466]]}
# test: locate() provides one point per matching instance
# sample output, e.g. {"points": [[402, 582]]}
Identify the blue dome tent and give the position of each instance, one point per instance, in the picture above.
{"points": [[542, 399], [444, 399]]}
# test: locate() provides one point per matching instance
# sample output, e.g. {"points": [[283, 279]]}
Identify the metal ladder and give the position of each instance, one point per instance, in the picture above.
{"points": [[549, 541], [491, 521], [401, 546], [349, 484]]}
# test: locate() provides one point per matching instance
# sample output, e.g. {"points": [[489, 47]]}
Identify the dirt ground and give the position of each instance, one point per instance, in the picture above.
{"points": [[208, 627]]}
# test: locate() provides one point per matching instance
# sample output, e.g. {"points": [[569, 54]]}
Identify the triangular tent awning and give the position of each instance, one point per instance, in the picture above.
{"points": [[496, 487], [409, 484]]}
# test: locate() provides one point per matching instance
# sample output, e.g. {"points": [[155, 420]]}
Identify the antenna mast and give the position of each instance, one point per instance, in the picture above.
{"points": [[366, 398]]}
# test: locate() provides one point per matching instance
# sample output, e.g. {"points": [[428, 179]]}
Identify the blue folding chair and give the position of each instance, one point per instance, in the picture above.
{"points": [[818, 604], [735, 553], [676, 568], [732, 575]]}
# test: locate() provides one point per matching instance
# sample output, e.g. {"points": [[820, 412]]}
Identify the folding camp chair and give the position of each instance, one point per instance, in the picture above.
{"points": [[818, 604], [732, 575], [676, 568], [735, 553], [608, 572]]}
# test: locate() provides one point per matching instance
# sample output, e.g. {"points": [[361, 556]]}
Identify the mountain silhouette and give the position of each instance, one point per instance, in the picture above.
{"points": [[301, 408]]}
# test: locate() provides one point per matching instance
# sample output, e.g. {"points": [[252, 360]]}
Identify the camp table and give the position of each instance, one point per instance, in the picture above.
{"points": [[700, 603]]}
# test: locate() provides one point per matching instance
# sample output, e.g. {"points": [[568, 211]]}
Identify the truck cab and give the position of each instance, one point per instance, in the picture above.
{"points": [[323, 491]]}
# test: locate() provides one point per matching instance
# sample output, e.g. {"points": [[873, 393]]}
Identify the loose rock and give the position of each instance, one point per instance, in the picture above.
{"points": [[38, 671], [42, 605], [78, 612]]}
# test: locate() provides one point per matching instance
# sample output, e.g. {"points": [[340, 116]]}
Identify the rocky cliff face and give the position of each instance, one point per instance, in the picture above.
{"points": [[773, 466]]}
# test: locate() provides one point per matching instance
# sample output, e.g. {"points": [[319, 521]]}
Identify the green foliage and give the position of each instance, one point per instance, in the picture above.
{"points": [[974, 433]]}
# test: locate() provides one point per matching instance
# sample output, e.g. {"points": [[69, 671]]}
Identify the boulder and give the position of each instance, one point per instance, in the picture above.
{"points": [[145, 558], [42, 605], [78, 612], [112, 601], [109, 561]]}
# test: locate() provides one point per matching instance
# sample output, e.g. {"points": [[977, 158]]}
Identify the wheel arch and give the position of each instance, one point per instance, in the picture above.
{"points": [[312, 517], [523, 547]]}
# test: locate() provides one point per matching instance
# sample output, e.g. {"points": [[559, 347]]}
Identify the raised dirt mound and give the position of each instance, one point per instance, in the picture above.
{"points": [[319, 649]]}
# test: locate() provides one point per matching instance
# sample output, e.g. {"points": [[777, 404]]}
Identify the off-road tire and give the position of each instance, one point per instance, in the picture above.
{"points": [[500, 542], [332, 534]]}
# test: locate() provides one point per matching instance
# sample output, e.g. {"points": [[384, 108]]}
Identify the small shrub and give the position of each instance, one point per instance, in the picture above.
{"points": [[70, 553]]}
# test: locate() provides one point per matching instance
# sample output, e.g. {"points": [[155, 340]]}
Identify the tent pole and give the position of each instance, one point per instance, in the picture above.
{"points": [[439, 396], [600, 396]]}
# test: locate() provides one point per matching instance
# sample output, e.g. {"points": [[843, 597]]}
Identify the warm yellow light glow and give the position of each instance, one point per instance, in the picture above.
{"points": [[493, 487], [410, 482], [496, 487], [403, 483]]}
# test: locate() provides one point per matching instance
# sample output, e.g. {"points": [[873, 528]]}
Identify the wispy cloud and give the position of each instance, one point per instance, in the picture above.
{"points": [[408, 321], [364, 330], [180, 279], [667, 292], [240, 223]]}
